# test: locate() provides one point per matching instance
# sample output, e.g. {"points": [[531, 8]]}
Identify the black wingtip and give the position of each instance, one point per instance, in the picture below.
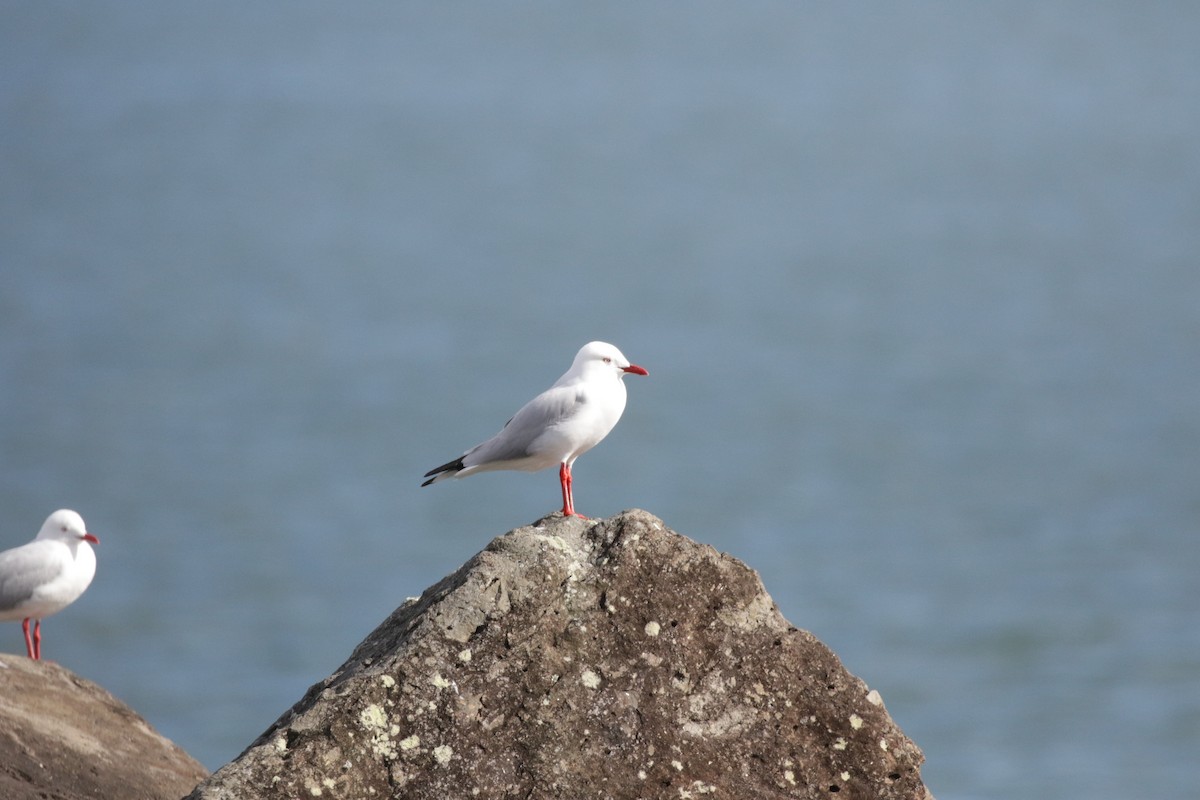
{"points": [[449, 466]]}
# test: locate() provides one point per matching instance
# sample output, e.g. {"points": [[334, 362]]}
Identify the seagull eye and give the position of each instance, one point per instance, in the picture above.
{"points": [[607, 360]]}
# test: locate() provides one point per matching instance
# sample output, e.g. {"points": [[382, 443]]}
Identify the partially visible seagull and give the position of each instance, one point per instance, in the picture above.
{"points": [[558, 426], [46, 575]]}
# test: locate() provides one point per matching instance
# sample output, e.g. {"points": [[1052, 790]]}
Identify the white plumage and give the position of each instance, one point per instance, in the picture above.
{"points": [[46, 575], [559, 425]]}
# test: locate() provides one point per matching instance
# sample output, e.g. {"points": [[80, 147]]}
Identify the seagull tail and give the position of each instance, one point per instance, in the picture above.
{"points": [[447, 470]]}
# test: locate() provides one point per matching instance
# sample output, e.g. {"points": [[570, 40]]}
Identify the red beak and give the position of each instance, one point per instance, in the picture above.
{"points": [[635, 369], [87, 537]]}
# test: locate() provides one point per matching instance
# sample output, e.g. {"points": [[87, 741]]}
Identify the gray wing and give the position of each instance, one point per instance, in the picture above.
{"points": [[23, 569], [513, 442]]}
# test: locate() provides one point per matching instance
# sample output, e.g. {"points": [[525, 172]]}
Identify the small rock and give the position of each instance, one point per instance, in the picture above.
{"points": [[63, 737]]}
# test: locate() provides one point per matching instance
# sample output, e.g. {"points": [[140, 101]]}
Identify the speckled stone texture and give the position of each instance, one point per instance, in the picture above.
{"points": [[584, 659], [64, 738]]}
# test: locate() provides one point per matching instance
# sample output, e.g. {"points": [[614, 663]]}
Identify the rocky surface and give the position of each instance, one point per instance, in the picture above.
{"points": [[579, 659], [65, 738]]}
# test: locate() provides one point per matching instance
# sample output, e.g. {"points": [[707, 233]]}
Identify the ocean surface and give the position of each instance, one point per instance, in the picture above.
{"points": [[918, 288]]}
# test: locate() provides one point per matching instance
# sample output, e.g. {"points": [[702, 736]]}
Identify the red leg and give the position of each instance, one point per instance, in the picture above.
{"points": [[564, 477], [37, 640], [28, 641]]}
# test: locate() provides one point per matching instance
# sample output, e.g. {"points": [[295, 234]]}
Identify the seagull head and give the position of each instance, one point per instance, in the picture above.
{"points": [[66, 526], [604, 356]]}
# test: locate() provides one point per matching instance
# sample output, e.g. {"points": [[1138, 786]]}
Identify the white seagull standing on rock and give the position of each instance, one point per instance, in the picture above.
{"points": [[47, 575], [558, 426]]}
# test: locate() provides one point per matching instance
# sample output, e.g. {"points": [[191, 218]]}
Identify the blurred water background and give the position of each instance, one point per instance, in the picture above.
{"points": [[917, 286]]}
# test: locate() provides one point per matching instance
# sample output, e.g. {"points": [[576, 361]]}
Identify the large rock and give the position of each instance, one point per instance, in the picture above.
{"points": [[65, 738], [575, 659]]}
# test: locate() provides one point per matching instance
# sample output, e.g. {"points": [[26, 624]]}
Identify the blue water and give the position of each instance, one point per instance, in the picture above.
{"points": [[917, 286]]}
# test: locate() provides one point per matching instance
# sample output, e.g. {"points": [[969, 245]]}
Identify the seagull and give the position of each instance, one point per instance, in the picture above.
{"points": [[46, 575], [558, 426]]}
